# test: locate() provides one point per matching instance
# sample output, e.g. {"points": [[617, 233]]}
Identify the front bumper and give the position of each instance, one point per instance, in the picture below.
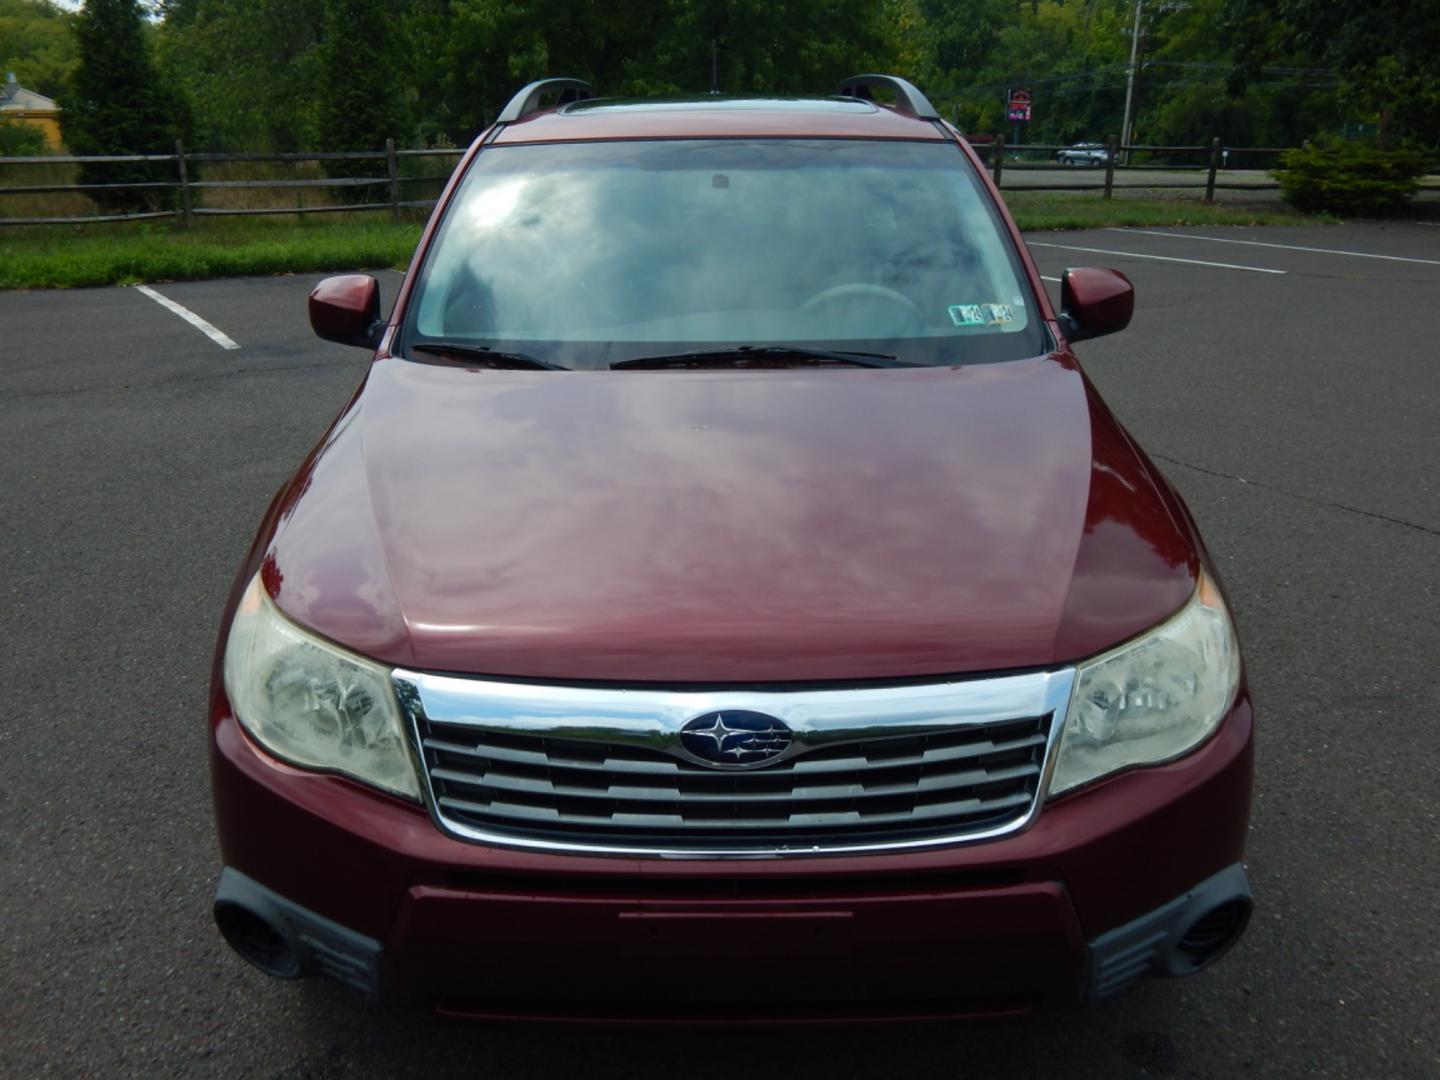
{"points": [[1100, 891], [812, 942]]}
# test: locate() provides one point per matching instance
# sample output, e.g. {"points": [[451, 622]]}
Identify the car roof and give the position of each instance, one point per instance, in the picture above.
{"points": [[718, 117]]}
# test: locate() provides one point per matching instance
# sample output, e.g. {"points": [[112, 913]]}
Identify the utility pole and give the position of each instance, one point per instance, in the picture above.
{"points": [[1130, 82]]}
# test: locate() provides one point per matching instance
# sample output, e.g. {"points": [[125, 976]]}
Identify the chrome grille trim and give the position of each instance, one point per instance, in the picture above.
{"points": [[600, 771]]}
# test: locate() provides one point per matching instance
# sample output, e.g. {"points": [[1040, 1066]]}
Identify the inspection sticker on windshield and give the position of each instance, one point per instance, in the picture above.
{"points": [[981, 314]]}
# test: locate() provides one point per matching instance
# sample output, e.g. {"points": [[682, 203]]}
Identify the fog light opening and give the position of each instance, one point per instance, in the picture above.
{"points": [[257, 940], [1212, 934]]}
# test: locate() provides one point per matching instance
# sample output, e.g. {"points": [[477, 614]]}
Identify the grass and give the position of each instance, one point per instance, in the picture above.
{"points": [[1037, 210], [69, 257], [78, 256]]}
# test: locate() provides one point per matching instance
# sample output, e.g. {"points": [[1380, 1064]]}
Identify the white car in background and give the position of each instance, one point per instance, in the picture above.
{"points": [[1085, 153]]}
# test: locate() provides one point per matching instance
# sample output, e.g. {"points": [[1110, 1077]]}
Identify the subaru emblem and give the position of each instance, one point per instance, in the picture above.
{"points": [[735, 738]]}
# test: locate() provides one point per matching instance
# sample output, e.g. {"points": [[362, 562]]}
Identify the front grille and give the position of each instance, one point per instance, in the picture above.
{"points": [[960, 780]]}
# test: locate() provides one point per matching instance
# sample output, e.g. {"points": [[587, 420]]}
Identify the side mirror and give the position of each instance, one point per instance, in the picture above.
{"points": [[346, 309], [1094, 302]]}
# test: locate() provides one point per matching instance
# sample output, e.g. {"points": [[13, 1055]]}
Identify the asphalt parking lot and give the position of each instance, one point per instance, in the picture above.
{"points": [[1286, 379]]}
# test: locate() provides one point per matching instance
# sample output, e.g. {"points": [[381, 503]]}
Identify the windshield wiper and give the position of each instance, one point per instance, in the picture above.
{"points": [[741, 354], [484, 354]]}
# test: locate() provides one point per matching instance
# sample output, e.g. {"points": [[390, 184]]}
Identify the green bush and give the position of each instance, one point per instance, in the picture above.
{"points": [[20, 140], [1349, 178]]}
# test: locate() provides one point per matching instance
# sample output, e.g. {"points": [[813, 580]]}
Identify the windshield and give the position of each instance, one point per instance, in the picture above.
{"points": [[586, 254]]}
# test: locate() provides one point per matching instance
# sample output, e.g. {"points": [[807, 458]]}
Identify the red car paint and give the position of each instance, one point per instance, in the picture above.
{"points": [[336, 301], [719, 531], [739, 558]]}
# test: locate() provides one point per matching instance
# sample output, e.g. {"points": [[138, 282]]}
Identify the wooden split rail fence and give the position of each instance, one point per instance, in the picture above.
{"points": [[1121, 158], [1117, 159], [187, 188]]}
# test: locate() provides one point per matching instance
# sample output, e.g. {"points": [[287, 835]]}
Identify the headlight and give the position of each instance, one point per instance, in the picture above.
{"points": [[312, 704], [1153, 699]]}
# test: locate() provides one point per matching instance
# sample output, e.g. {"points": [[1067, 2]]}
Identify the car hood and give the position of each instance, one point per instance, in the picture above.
{"points": [[723, 526]]}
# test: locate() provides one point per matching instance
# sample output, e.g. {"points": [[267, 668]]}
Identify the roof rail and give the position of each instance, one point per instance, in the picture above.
{"points": [[527, 100], [908, 97]]}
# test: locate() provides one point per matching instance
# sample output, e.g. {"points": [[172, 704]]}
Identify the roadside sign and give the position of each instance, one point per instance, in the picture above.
{"points": [[1019, 105]]}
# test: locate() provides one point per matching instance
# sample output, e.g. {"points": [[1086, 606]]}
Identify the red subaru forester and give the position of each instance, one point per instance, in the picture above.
{"points": [[725, 597]]}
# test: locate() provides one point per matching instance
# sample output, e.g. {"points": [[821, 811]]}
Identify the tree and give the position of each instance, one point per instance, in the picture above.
{"points": [[1384, 50], [250, 67], [36, 44], [1070, 57], [361, 98], [345, 74], [1198, 89], [765, 46], [117, 105], [959, 38], [360, 102], [469, 56]]}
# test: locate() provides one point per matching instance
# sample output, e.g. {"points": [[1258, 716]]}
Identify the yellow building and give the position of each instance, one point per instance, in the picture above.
{"points": [[28, 107]]}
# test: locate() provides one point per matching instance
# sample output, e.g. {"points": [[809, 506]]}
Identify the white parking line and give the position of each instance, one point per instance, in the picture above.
{"points": [[214, 334], [1159, 258], [1056, 280], [1282, 247]]}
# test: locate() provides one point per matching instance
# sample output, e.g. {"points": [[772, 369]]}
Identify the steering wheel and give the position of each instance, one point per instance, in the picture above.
{"points": [[862, 291]]}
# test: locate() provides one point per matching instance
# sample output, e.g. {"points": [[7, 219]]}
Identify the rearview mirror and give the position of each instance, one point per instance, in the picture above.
{"points": [[1094, 302], [346, 309]]}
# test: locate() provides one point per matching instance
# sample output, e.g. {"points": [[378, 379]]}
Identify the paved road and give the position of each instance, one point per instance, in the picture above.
{"points": [[1296, 410]]}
